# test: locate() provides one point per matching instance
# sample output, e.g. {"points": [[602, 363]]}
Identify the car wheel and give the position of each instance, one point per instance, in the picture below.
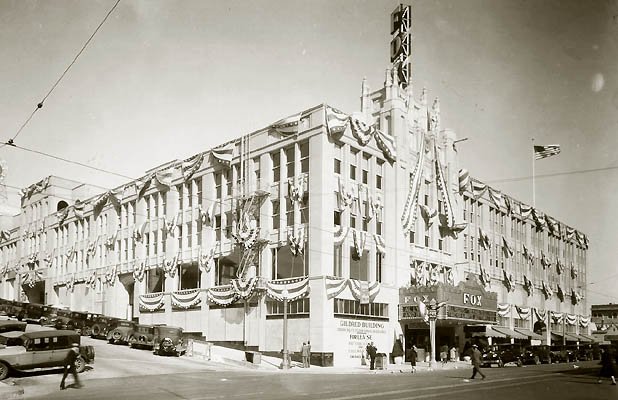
{"points": [[86, 331], [80, 364], [4, 371], [95, 330], [132, 342]]}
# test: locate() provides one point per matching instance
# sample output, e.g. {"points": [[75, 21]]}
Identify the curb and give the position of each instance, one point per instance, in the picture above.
{"points": [[11, 391]]}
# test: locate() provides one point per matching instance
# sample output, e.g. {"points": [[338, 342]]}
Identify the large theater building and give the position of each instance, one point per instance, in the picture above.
{"points": [[348, 219]]}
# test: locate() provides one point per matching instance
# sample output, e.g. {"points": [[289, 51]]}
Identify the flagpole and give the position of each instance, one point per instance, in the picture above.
{"points": [[533, 186]]}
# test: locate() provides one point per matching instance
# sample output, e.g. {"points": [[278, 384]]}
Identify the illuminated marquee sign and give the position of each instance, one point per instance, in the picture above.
{"points": [[401, 43], [472, 299]]}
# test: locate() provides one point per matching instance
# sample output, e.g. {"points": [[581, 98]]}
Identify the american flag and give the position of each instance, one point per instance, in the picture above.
{"points": [[541, 152]]}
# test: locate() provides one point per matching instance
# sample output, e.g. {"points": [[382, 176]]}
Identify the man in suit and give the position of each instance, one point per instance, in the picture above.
{"points": [[475, 355], [69, 366], [372, 351]]}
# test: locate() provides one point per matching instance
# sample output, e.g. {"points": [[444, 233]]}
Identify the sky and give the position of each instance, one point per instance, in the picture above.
{"points": [[164, 80]]}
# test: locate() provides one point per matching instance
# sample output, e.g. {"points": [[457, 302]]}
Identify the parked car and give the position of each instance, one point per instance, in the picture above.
{"points": [[536, 355], [13, 308], [4, 306], [43, 349], [101, 324], [36, 313], [142, 336], [8, 325], [561, 354], [501, 355], [121, 333], [11, 338], [168, 340]]}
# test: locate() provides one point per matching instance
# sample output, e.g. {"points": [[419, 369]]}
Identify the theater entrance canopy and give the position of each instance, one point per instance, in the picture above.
{"points": [[466, 303]]}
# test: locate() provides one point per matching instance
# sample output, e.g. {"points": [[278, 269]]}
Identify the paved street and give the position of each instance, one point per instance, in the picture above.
{"points": [[196, 381]]}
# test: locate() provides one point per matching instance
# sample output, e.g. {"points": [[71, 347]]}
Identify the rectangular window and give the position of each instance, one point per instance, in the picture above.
{"points": [[154, 280], [337, 261], [189, 275], [337, 166], [229, 180], [276, 214], [218, 184], [359, 268], [379, 267], [179, 189], [155, 242], [304, 209], [353, 162], [412, 237], [426, 240], [352, 220], [190, 194], [365, 168], [289, 212], [198, 191], [289, 160], [304, 157], [276, 158], [379, 172], [337, 218]]}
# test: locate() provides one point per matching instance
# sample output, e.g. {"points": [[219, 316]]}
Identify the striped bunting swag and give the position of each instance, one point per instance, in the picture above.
{"points": [[380, 244], [151, 302], [340, 234], [556, 316], [524, 312], [549, 150], [224, 154], [583, 321], [244, 288], [190, 166], [336, 121], [334, 286], [504, 309], [222, 295], [464, 180], [296, 287], [356, 287], [478, 188], [287, 126], [496, 197], [186, 298], [408, 218], [525, 211], [539, 219], [540, 314], [443, 190], [571, 319]]}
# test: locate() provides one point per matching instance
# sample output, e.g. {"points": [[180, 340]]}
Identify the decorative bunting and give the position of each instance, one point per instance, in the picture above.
{"points": [[224, 154], [296, 239], [171, 225], [151, 302], [244, 288], [345, 197], [546, 290], [428, 214], [450, 277], [363, 131], [138, 231], [504, 309], [380, 244], [164, 178], [110, 242], [186, 299], [574, 272], [340, 234], [560, 293], [91, 280], [484, 239], [508, 251], [508, 204], [287, 126], [35, 188], [496, 197], [372, 206], [334, 286], [222, 295], [5, 235], [545, 262], [246, 231], [421, 274], [336, 121], [141, 185], [556, 316], [408, 218], [478, 188], [525, 211], [78, 209], [296, 188], [111, 196], [584, 321], [464, 180], [523, 312], [485, 277], [170, 266], [139, 271], [70, 283], [191, 166], [206, 258], [540, 314], [356, 287], [539, 219], [31, 277], [443, 191], [528, 285], [559, 267], [508, 281], [295, 287], [111, 274], [62, 215], [358, 241]]}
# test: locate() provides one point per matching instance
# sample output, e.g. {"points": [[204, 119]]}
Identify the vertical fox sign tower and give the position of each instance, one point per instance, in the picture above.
{"points": [[401, 43]]}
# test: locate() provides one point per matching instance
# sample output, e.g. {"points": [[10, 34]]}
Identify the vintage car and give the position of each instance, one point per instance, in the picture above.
{"points": [[121, 333], [43, 349], [10, 325], [536, 355], [11, 338], [36, 313], [4, 306], [168, 340], [501, 355], [142, 336], [101, 325], [14, 308]]}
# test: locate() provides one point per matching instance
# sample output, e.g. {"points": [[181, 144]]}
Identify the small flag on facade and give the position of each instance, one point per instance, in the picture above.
{"points": [[541, 152]]}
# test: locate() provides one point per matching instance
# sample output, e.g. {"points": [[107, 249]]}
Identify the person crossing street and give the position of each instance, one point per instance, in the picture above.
{"points": [[475, 355]]}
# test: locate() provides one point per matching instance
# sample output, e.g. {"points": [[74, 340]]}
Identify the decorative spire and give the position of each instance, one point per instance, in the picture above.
{"points": [[434, 117], [365, 101]]}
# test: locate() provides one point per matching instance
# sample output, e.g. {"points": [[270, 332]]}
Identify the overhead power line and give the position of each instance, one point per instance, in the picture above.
{"points": [[13, 145], [581, 171], [66, 70]]}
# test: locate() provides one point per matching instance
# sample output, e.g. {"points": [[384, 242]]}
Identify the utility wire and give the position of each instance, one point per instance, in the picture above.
{"points": [[67, 160], [581, 171], [66, 70]]}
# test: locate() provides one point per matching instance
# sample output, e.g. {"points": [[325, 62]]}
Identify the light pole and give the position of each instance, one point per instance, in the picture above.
{"points": [[432, 315], [285, 363]]}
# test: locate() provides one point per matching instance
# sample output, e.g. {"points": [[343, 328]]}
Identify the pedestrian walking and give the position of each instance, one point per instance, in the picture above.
{"points": [[608, 365], [308, 354], [69, 366], [372, 351], [412, 356], [475, 355], [443, 354]]}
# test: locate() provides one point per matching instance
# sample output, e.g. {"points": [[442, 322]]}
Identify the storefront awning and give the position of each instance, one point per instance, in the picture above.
{"points": [[531, 335], [509, 333], [489, 332], [582, 338], [569, 337]]}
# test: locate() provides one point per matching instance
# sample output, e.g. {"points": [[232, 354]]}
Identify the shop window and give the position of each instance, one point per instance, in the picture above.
{"points": [[344, 307], [297, 307]]}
